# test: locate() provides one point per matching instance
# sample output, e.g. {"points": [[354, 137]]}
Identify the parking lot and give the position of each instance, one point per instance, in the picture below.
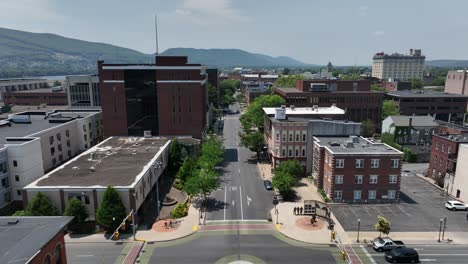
{"points": [[420, 210]]}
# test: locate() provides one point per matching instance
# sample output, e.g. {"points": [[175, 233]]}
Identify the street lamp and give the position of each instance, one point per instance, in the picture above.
{"points": [[157, 165], [358, 229], [440, 227]]}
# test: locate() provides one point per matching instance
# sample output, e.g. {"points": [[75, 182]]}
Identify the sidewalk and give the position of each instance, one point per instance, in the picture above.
{"points": [[188, 226], [414, 237]]}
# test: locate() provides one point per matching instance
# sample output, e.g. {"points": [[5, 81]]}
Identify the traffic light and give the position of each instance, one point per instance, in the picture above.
{"points": [[116, 235], [123, 226]]}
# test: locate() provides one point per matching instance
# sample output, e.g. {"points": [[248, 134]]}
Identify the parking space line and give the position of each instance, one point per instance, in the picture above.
{"points": [[343, 211], [365, 209], [350, 208], [399, 207], [391, 211], [380, 213]]}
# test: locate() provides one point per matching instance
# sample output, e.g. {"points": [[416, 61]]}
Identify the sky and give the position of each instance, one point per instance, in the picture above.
{"points": [[345, 32]]}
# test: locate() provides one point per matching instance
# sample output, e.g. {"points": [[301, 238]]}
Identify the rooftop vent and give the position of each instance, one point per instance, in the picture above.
{"points": [[355, 139], [349, 144], [292, 107], [92, 169], [147, 133], [13, 221], [334, 144], [75, 168]]}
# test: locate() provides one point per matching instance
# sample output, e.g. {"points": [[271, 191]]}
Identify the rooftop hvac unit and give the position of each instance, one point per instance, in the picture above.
{"points": [[280, 114], [147, 133]]}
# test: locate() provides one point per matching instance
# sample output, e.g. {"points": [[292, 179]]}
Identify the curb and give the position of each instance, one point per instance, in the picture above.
{"points": [[171, 239], [310, 243]]}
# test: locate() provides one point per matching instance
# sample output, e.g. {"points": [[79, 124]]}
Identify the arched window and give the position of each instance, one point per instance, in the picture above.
{"points": [[47, 259], [58, 254]]}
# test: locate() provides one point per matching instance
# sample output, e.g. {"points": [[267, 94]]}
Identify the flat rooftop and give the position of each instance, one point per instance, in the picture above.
{"points": [[22, 237], [416, 121], [463, 138], [423, 93], [287, 90], [355, 145], [41, 90], [305, 111], [117, 161], [37, 123]]}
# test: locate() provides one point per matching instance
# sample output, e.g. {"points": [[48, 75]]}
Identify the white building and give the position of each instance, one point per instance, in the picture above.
{"points": [[458, 186], [391, 67], [83, 91], [132, 165], [32, 143]]}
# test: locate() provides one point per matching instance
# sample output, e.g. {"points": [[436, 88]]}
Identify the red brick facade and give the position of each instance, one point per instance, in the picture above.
{"points": [[34, 97], [51, 250]]}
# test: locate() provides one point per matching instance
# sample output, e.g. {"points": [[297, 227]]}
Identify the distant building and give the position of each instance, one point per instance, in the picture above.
{"points": [[83, 91], [450, 128], [289, 132], [396, 86], [167, 98], [32, 143], [415, 130], [134, 166], [398, 66], [253, 90], [21, 84], [33, 239], [456, 183], [356, 170], [355, 97], [442, 106], [47, 96], [212, 77], [444, 156], [456, 82]]}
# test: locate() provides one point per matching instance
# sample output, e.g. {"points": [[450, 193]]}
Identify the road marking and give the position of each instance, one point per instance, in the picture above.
{"points": [[399, 207], [380, 213], [240, 195], [391, 211], [368, 255], [353, 212], [234, 188], [238, 220], [233, 203], [239, 171], [248, 200], [84, 256], [225, 204], [365, 209], [195, 228]]}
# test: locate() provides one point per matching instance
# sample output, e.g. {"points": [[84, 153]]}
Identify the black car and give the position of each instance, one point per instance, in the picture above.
{"points": [[405, 255], [268, 185]]}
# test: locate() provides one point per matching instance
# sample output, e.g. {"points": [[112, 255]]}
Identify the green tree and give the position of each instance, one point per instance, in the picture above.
{"points": [[254, 115], [389, 108], [286, 71], [351, 77], [253, 140], [41, 206], [439, 81], [227, 88], [416, 84], [212, 95], [383, 226], [284, 182], [377, 88], [203, 182], [240, 98], [22, 213], [291, 167], [175, 156], [367, 128], [186, 170], [57, 83], [212, 152], [111, 207], [79, 213], [288, 81]]}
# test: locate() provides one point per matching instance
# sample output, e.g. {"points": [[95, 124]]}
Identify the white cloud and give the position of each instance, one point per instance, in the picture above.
{"points": [[378, 33], [208, 9], [362, 10]]}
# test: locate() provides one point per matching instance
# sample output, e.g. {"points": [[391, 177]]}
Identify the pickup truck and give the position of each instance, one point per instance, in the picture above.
{"points": [[384, 244]]}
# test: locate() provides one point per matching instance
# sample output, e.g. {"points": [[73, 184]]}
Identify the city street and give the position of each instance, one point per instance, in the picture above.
{"points": [[242, 195], [99, 252]]}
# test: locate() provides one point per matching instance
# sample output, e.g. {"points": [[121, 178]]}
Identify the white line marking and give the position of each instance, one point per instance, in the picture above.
{"points": [[380, 213], [233, 203], [427, 260], [368, 255], [225, 204], [238, 220], [240, 194], [365, 209], [239, 171], [249, 200], [84, 256], [399, 207], [353, 212], [391, 211]]}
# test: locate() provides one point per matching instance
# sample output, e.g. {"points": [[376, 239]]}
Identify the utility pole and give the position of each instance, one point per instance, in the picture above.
{"points": [[443, 229], [440, 228]]}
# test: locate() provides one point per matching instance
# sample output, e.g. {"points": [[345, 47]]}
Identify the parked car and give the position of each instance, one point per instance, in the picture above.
{"points": [[406, 255], [456, 205], [268, 185], [385, 244]]}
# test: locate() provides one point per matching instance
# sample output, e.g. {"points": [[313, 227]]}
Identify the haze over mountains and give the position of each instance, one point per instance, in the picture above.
{"points": [[36, 54]]}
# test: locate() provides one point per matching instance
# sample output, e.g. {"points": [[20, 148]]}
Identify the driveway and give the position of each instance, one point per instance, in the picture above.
{"points": [[420, 210]]}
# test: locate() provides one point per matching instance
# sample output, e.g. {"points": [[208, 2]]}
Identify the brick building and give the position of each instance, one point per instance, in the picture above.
{"points": [[167, 98], [440, 105], [457, 82], [356, 170], [33, 240], [355, 97], [48, 96], [450, 128], [444, 153]]}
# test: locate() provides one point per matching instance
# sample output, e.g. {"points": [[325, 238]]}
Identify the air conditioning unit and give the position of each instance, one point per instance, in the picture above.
{"points": [[147, 133]]}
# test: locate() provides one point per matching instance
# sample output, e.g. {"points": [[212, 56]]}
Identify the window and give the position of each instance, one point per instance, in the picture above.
{"points": [[59, 136], [392, 179], [17, 178], [338, 195], [54, 162], [373, 179], [375, 163], [68, 143], [3, 167], [391, 194], [443, 148], [437, 145], [18, 192], [69, 154], [61, 157], [5, 182], [395, 163], [277, 136], [359, 163], [290, 137], [7, 197], [290, 153], [339, 179], [372, 195], [303, 152], [59, 147], [89, 126], [52, 151], [67, 133], [297, 137], [85, 137], [449, 149], [297, 152], [357, 195], [51, 140], [283, 154], [15, 163], [86, 198], [304, 137], [84, 128], [58, 254], [284, 137], [340, 163], [358, 179]]}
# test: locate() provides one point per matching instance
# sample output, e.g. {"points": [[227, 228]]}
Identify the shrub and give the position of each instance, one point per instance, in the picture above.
{"points": [[78, 211], [178, 184], [181, 210], [324, 195], [111, 207]]}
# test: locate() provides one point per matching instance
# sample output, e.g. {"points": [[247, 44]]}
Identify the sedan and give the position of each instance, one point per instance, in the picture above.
{"points": [[456, 205], [268, 185], [405, 255]]}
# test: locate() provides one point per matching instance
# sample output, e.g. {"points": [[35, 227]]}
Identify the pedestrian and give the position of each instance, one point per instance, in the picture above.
{"points": [[300, 210]]}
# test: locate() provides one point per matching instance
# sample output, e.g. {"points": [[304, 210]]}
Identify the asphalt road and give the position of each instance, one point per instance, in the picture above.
{"points": [[443, 254], [211, 248], [91, 253], [420, 210], [242, 195]]}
